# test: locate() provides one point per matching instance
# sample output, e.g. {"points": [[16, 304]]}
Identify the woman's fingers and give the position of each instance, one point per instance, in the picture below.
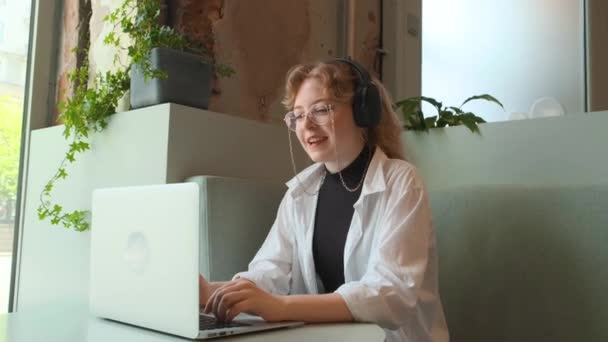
{"points": [[237, 308], [229, 300], [211, 300], [216, 302], [217, 310], [209, 304], [215, 299]]}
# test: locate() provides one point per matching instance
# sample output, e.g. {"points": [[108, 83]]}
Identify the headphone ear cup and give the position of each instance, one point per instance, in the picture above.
{"points": [[359, 112], [367, 106], [373, 104]]}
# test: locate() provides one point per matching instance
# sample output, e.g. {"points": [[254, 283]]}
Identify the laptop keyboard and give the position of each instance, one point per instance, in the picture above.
{"points": [[209, 323]]}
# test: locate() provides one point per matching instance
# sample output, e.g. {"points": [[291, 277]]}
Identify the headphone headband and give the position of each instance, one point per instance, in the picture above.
{"points": [[367, 104], [363, 75]]}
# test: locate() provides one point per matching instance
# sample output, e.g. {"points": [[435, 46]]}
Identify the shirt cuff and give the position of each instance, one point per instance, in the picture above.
{"points": [[368, 305], [254, 277]]}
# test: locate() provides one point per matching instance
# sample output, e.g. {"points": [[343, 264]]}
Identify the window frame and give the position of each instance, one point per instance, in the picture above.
{"points": [[402, 44], [43, 45]]}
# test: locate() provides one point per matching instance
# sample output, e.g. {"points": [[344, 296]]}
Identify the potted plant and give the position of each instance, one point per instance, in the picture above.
{"points": [[185, 68], [446, 115], [95, 99]]}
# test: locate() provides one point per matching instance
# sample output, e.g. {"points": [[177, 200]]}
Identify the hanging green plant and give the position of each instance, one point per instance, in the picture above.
{"points": [[446, 115], [94, 101]]}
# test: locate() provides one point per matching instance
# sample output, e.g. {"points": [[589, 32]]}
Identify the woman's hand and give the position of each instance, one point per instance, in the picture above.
{"points": [[204, 290], [242, 295]]}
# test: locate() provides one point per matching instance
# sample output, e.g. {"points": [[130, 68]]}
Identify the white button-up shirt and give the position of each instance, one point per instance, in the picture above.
{"points": [[390, 258]]}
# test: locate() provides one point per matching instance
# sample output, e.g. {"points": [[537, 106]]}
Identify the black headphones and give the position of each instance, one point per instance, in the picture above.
{"points": [[367, 104]]}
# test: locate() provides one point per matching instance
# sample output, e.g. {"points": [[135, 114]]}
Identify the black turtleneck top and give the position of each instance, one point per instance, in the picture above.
{"points": [[333, 217]]}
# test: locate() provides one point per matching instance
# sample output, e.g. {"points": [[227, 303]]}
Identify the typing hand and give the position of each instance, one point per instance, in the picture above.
{"points": [[204, 289], [242, 295]]}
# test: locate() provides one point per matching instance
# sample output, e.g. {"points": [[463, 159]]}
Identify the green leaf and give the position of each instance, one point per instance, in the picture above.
{"points": [[224, 70], [445, 114], [445, 117], [456, 110], [468, 119], [452, 120], [417, 99], [430, 122], [408, 106], [408, 109], [56, 209], [109, 39], [82, 146], [406, 101], [96, 95], [486, 97], [48, 187], [420, 120], [479, 120], [412, 114], [42, 213], [438, 105]]}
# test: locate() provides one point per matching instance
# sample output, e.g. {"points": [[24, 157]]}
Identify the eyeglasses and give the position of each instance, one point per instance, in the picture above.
{"points": [[319, 115]]}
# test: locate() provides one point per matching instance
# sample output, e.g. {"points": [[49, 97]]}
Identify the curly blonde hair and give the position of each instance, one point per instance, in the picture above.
{"points": [[339, 80]]}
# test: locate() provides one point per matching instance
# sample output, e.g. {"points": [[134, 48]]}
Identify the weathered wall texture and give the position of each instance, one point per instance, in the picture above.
{"points": [[82, 26], [260, 43], [261, 40], [66, 60], [366, 31]]}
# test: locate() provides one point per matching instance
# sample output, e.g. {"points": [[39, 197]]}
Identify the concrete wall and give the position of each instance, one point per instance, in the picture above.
{"points": [[261, 40], [178, 142], [567, 150]]}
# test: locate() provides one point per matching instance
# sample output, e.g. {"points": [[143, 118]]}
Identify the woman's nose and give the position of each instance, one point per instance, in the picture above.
{"points": [[308, 122]]}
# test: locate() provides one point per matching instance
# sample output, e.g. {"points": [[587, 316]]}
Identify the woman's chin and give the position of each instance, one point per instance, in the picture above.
{"points": [[318, 156]]}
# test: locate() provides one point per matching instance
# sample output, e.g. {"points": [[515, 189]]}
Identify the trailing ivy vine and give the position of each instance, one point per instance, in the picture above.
{"points": [[136, 30]]}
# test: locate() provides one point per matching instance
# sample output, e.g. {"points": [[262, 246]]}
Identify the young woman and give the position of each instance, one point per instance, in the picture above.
{"points": [[353, 239]]}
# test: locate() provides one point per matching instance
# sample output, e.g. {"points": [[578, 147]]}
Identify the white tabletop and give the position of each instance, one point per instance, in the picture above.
{"points": [[73, 324]]}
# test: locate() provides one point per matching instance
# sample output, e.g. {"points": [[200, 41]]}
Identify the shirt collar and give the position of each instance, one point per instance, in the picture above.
{"points": [[308, 180]]}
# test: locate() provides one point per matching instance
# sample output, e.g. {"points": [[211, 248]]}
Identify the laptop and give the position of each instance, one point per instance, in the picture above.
{"points": [[144, 263]]}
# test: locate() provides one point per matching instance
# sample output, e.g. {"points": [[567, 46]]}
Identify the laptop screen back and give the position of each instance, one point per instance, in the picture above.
{"points": [[144, 256]]}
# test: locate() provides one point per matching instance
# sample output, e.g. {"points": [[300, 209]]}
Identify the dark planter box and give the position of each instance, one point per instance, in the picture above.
{"points": [[188, 80]]}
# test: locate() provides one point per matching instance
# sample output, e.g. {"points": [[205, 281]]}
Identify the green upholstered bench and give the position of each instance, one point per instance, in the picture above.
{"points": [[523, 263]]}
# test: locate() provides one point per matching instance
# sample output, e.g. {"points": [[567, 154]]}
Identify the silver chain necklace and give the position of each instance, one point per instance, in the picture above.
{"points": [[369, 159], [293, 164]]}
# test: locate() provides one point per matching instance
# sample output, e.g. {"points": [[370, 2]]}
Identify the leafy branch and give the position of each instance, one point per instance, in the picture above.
{"points": [[91, 105], [446, 115]]}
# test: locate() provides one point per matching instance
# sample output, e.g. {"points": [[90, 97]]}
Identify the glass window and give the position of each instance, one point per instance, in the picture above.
{"points": [[528, 54], [13, 65], [1, 32]]}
